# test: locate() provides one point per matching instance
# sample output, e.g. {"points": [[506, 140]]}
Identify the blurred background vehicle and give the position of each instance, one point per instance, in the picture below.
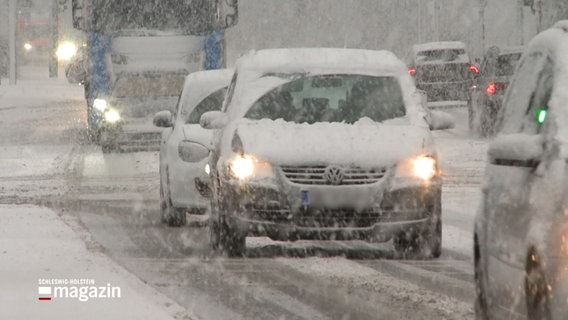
{"points": [[184, 147], [126, 115], [34, 32], [444, 70], [497, 68], [152, 36], [324, 144], [520, 236]]}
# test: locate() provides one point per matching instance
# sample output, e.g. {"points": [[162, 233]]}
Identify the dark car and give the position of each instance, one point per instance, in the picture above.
{"points": [[443, 70], [521, 229], [497, 68]]}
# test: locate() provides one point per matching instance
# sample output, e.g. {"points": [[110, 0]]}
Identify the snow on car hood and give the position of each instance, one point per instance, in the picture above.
{"points": [[365, 143]]}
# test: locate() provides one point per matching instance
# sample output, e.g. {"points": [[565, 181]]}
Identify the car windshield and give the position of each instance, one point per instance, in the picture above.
{"points": [[212, 102], [332, 98], [150, 85], [506, 64], [440, 54]]}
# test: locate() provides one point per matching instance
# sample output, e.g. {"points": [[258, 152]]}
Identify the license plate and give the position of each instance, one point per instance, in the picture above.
{"points": [[305, 198]]}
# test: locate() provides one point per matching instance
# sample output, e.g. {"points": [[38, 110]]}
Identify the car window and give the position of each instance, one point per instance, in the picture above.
{"points": [[212, 102], [506, 64], [332, 98], [440, 54], [527, 99]]}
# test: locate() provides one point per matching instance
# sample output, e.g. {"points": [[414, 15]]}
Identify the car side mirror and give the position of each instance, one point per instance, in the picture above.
{"points": [[213, 120], [519, 150], [163, 119], [439, 120]]}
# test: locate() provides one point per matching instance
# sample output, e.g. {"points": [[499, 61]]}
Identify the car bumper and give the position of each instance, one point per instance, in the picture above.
{"points": [[189, 185], [376, 215]]}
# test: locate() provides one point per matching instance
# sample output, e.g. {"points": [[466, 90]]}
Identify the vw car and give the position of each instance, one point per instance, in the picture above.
{"points": [[497, 68], [444, 70], [325, 144], [127, 114], [184, 147], [521, 229]]}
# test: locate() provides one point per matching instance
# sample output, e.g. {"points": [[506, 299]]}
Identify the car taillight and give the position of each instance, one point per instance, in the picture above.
{"points": [[494, 87], [411, 71], [474, 69]]}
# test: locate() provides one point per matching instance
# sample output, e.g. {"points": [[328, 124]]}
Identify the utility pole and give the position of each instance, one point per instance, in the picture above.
{"points": [[482, 5], [12, 14], [521, 22], [54, 27], [419, 20]]}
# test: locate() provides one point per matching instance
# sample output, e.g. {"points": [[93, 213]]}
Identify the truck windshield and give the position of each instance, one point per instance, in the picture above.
{"points": [[113, 16]]}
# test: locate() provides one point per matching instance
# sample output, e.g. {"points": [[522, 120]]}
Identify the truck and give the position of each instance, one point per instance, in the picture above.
{"points": [[34, 36], [145, 37]]}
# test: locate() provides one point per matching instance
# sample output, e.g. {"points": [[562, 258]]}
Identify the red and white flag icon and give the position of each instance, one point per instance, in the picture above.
{"points": [[44, 293]]}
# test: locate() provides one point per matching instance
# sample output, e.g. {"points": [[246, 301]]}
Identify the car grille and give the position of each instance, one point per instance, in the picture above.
{"points": [[315, 175], [141, 141]]}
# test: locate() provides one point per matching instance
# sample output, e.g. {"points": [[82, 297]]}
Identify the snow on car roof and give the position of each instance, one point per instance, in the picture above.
{"points": [[439, 45], [297, 60]]}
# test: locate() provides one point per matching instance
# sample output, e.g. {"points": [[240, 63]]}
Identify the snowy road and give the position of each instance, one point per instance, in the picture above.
{"points": [[115, 198]]}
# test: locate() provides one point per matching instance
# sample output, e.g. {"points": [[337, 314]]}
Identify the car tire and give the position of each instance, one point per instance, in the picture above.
{"points": [[480, 292], [172, 216], [225, 238], [536, 289], [108, 148], [425, 243]]}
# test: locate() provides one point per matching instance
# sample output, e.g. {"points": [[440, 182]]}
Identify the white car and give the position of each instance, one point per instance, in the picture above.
{"points": [[325, 144], [184, 147], [126, 115], [521, 229]]}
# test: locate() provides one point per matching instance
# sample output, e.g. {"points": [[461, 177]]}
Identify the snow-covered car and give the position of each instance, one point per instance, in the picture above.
{"points": [[325, 144], [184, 148], [497, 68], [127, 114], [444, 70], [521, 229]]}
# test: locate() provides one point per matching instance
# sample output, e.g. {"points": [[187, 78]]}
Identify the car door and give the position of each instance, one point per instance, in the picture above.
{"points": [[514, 158]]}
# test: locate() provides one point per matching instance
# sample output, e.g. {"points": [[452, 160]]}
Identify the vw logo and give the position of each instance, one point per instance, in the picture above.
{"points": [[334, 174]]}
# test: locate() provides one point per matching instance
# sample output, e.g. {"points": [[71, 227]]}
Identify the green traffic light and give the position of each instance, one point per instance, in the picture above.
{"points": [[541, 116]]}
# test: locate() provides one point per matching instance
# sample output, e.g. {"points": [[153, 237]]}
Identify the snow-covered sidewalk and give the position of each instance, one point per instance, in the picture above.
{"points": [[38, 250]]}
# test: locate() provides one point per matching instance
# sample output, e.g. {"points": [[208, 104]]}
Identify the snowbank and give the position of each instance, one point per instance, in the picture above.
{"points": [[37, 249]]}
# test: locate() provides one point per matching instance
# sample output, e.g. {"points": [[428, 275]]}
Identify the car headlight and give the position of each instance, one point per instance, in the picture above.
{"points": [[112, 116], [247, 166], [100, 104], [28, 46], [66, 51], [192, 152], [423, 167], [207, 168]]}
